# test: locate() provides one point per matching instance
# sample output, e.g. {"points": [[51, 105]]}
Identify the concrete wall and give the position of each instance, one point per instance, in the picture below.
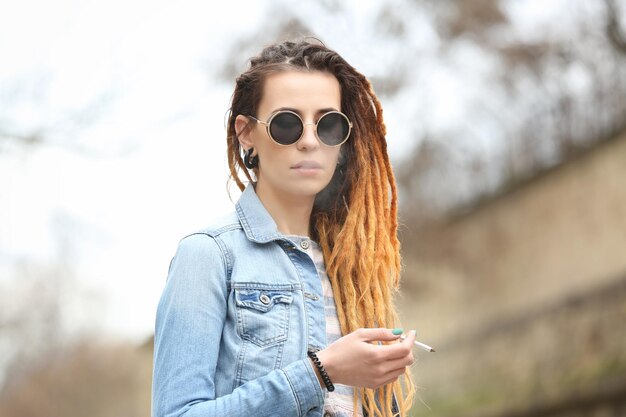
{"points": [[492, 290]]}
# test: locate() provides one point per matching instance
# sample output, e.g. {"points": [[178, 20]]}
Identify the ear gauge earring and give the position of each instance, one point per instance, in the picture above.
{"points": [[250, 161]]}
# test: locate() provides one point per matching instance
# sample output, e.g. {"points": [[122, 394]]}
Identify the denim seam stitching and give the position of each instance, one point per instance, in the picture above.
{"points": [[295, 393], [223, 255], [226, 256]]}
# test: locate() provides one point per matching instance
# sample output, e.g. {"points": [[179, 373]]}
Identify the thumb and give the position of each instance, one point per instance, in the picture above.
{"points": [[379, 334]]}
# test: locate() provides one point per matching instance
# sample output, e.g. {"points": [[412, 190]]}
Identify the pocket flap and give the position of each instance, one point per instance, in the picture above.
{"points": [[261, 299]]}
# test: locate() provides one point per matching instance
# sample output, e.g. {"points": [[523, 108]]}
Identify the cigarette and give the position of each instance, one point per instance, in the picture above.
{"points": [[420, 345]]}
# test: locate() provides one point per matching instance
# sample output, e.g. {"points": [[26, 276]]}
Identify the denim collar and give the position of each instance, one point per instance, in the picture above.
{"points": [[257, 223]]}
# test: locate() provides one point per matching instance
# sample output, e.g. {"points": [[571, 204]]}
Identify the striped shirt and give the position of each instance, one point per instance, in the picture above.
{"points": [[338, 403]]}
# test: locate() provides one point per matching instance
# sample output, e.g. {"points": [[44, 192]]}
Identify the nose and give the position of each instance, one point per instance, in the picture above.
{"points": [[309, 139]]}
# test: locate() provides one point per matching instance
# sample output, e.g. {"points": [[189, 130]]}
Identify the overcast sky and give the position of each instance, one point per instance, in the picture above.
{"points": [[138, 75], [158, 137], [155, 166]]}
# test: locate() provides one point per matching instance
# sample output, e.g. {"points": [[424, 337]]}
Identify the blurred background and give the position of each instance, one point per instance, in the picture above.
{"points": [[506, 127]]}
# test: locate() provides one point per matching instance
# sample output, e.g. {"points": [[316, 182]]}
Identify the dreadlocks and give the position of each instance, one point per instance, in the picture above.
{"points": [[354, 218]]}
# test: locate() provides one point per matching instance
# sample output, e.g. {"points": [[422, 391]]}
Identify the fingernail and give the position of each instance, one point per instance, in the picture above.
{"points": [[397, 331]]}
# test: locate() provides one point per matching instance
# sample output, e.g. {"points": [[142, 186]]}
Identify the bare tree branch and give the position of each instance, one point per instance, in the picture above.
{"points": [[614, 28]]}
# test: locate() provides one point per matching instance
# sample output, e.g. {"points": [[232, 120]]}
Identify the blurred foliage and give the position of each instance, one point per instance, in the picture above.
{"points": [[537, 99], [49, 129], [559, 93], [86, 379], [542, 100]]}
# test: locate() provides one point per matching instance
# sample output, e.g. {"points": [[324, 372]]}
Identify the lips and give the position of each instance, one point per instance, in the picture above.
{"points": [[307, 165]]}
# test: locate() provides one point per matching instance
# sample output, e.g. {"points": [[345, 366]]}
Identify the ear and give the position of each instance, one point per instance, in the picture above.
{"points": [[243, 129]]}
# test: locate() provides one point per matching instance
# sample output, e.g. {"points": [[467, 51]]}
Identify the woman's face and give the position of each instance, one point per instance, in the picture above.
{"points": [[302, 169]]}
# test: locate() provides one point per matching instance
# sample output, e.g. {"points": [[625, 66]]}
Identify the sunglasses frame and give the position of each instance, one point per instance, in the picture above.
{"points": [[304, 125]]}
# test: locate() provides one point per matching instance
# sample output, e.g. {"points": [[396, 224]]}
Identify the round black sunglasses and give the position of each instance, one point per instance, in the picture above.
{"points": [[286, 127]]}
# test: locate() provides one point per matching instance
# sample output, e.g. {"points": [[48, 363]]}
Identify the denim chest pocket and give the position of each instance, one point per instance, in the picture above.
{"points": [[263, 314]]}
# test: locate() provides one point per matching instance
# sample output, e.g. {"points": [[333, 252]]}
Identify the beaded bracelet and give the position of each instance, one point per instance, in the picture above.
{"points": [[329, 385]]}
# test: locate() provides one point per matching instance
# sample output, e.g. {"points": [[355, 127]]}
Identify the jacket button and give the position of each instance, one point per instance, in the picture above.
{"points": [[264, 299], [305, 244]]}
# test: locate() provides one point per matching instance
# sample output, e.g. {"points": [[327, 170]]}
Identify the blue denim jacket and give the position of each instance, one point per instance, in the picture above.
{"points": [[241, 306]]}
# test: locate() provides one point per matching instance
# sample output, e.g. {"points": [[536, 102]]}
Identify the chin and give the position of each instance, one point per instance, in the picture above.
{"points": [[307, 188]]}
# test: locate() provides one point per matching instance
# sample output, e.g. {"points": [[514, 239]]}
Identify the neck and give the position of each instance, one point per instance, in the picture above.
{"points": [[291, 213]]}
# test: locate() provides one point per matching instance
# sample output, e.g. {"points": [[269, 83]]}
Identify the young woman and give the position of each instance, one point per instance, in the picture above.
{"points": [[284, 308]]}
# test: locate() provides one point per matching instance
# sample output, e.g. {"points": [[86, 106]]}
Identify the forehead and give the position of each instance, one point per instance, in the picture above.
{"points": [[306, 92]]}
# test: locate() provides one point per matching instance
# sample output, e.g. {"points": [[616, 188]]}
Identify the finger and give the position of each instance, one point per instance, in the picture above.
{"points": [[410, 337], [399, 368], [389, 380], [399, 363], [398, 350], [382, 381], [388, 366], [377, 334]]}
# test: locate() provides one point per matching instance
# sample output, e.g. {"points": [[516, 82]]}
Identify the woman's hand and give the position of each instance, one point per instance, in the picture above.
{"points": [[353, 360]]}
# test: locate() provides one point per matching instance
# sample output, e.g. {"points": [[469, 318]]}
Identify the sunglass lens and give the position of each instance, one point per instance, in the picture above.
{"points": [[286, 128], [333, 129]]}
